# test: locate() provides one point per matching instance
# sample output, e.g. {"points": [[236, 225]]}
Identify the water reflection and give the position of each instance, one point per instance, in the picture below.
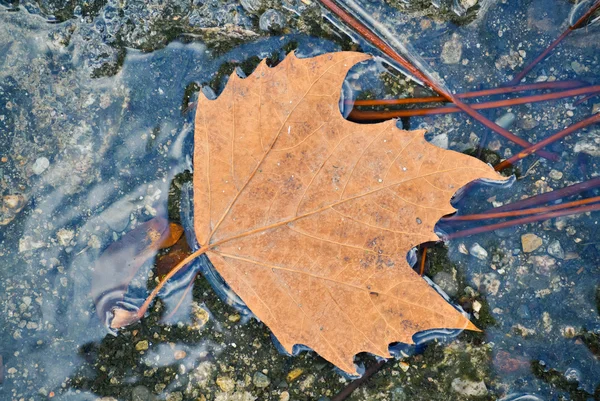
{"points": [[93, 158]]}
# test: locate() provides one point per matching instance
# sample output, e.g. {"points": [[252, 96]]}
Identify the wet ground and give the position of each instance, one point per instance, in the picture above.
{"points": [[94, 127]]}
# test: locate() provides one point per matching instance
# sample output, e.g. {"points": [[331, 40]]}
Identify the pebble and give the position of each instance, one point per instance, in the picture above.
{"points": [[40, 165], [506, 120], [260, 380], [466, 4], [65, 236], [294, 374], [142, 345], [441, 141], [447, 283], [469, 388], [530, 242], [452, 50], [556, 250], [140, 393], [596, 108], [225, 383], [555, 174], [478, 251], [590, 144], [271, 20], [284, 396], [543, 264]]}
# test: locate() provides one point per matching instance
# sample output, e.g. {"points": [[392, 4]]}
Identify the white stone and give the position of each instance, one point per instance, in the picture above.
{"points": [[40, 165], [478, 251]]}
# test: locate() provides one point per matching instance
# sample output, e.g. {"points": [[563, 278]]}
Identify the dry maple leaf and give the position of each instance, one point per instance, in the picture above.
{"points": [[309, 217]]}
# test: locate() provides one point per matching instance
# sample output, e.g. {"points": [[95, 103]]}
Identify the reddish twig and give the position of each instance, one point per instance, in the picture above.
{"points": [[467, 95], [346, 391], [585, 98], [549, 196], [522, 220], [546, 52], [360, 115], [551, 139], [523, 212], [423, 257], [366, 33]]}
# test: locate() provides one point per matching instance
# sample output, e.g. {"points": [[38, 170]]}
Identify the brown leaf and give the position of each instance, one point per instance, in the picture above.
{"points": [[309, 217], [119, 263]]}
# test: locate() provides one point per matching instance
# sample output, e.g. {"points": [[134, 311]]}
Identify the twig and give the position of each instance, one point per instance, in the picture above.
{"points": [[586, 98], [361, 115], [467, 95], [523, 212], [522, 220], [551, 139], [353, 385], [423, 257], [546, 52], [365, 32], [549, 196]]}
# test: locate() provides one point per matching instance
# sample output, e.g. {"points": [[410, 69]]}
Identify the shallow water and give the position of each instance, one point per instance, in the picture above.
{"points": [[95, 157]]}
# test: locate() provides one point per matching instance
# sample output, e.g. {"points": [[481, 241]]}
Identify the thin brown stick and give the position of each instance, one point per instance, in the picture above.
{"points": [[467, 95], [551, 139], [586, 98], [346, 391], [423, 257], [361, 115], [546, 52], [366, 33], [522, 220], [524, 212], [549, 196]]}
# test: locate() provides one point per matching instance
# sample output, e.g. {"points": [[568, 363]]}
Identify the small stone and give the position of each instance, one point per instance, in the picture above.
{"points": [[40, 165], [578, 67], [555, 174], [477, 306], [447, 283], [462, 248], [271, 20], [466, 4], [478, 251], [404, 366], [65, 236], [140, 393], [506, 120], [452, 50], [441, 141], [590, 144], [179, 354], [142, 345], [596, 108], [234, 318], [543, 264], [225, 383], [284, 396], [556, 250], [530, 242], [260, 380], [469, 388], [294, 374]]}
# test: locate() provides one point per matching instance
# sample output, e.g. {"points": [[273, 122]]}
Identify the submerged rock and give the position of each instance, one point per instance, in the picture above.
{"points": [[452, 50], [478, 251], [469, 388], [556, 250], [530, 242]]}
